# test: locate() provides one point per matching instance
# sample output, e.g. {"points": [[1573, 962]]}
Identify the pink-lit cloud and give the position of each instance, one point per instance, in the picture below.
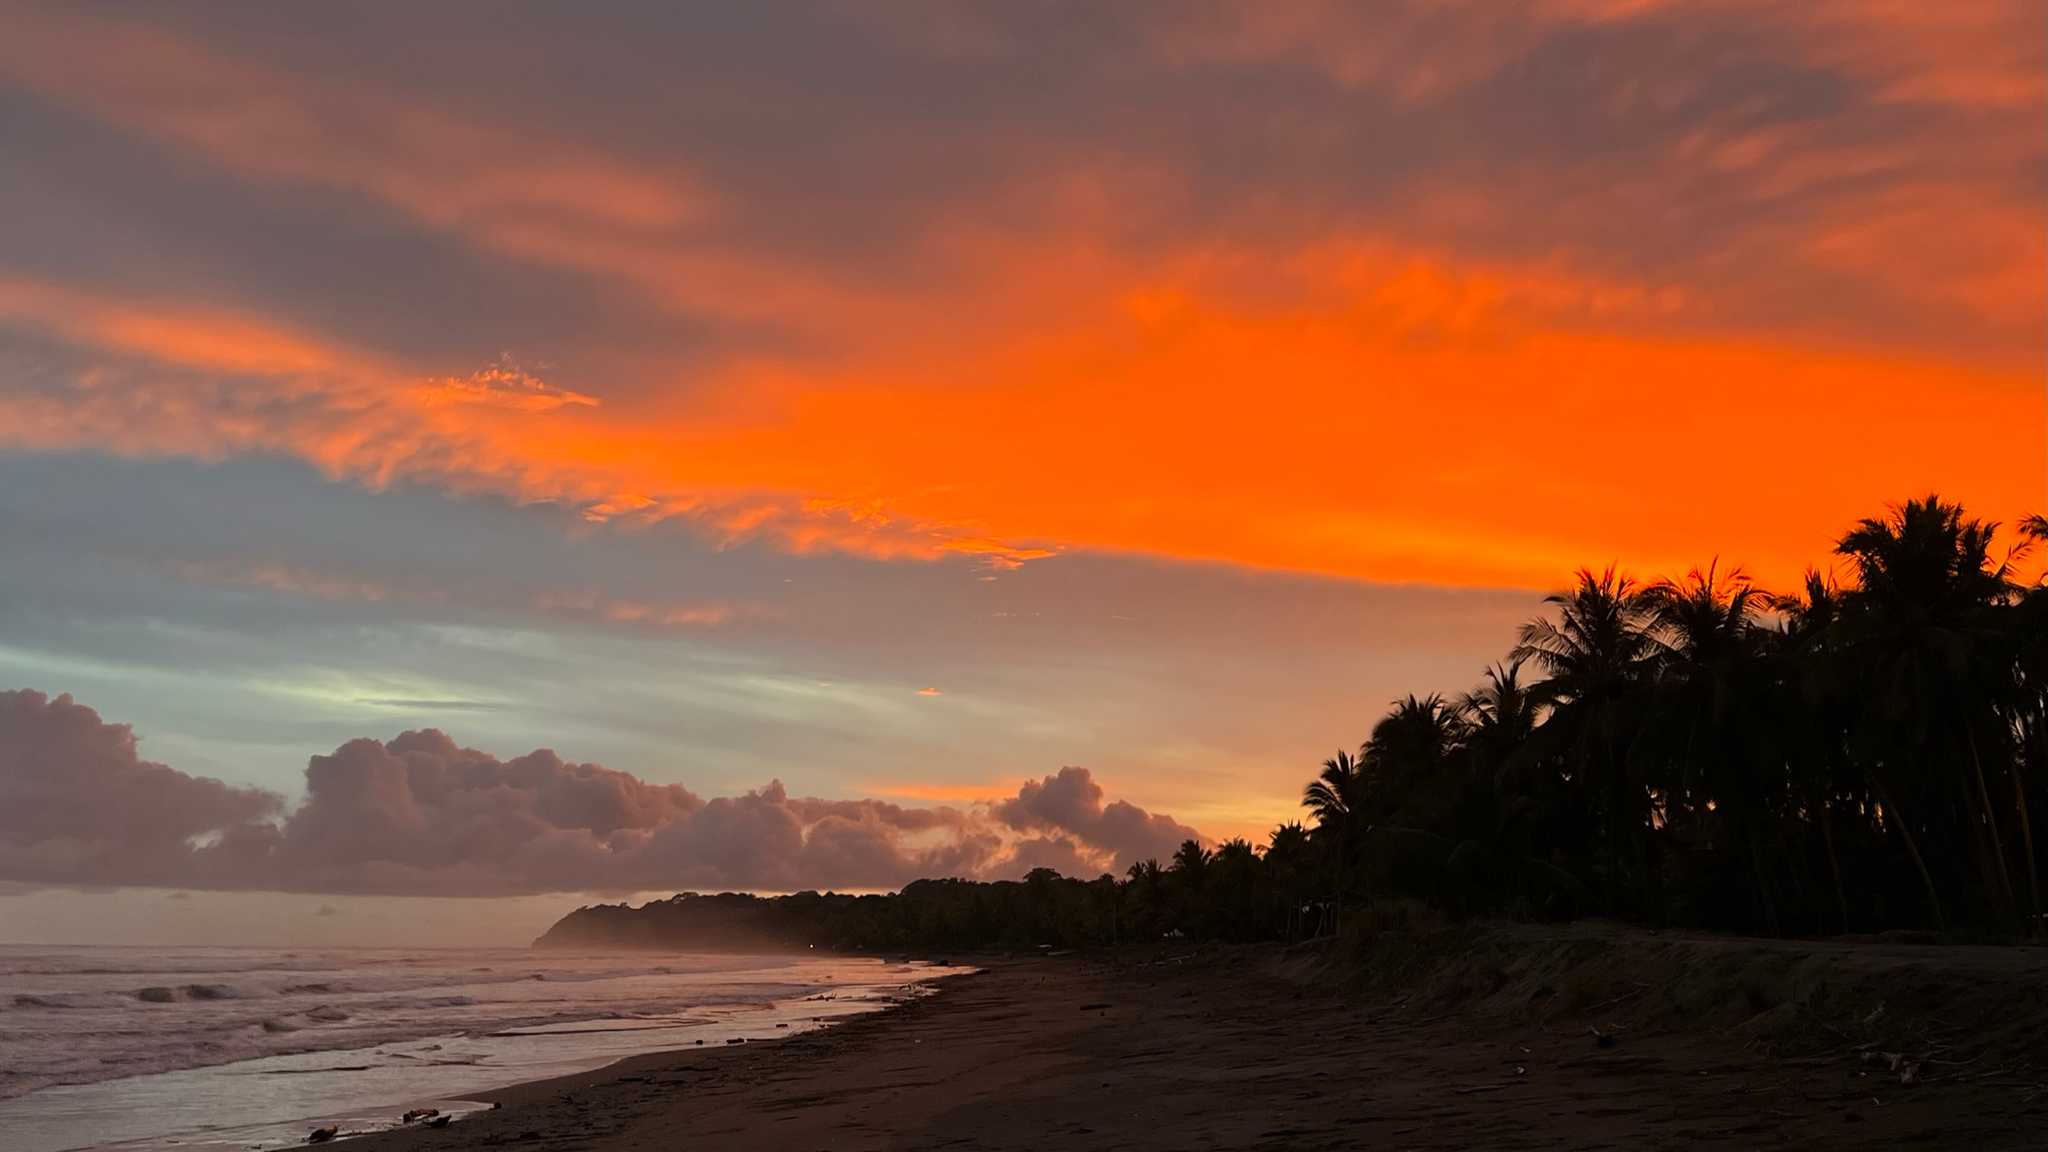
{"points": [[1068, 806], [421, 815]]}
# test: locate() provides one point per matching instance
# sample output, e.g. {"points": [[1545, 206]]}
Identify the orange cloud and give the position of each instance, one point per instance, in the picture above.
{"points": [[444, 169], [209, 383], [502, 384], [186, 337], [287, 578], [1985, 256], [1976, 54], [1345, 400], [1367, 412], [518, 192], [589, 604], [1352, 408]]}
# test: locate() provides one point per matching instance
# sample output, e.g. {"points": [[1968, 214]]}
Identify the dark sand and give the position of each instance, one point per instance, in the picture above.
{"points": [[1259, 1048]]}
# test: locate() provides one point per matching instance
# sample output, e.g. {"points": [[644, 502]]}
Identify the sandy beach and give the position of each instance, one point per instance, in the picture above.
{"points": [[1270, 1048]]}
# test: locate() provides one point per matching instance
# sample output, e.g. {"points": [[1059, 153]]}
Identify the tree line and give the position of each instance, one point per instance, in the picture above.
{"points": [[1862, 753], [1853, 755]]}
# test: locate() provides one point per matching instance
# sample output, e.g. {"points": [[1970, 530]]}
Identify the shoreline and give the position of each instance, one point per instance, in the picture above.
{"points": [[554, 1103], [527, 1091], [1430, 1044], [364, 1087]]}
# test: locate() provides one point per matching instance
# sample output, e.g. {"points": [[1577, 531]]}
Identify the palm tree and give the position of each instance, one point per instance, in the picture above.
{"points": [[1710, 738], [1499, 717], [1501, 713], [1413, 741], [1601, 638], [1334, 794], [1288, 841], [2027, 632], [1509, 800], [1812, 710], [1919, 626], [1408, 764], [1336, 798], [1289, 861], [1599, 654], [1814, 610]]}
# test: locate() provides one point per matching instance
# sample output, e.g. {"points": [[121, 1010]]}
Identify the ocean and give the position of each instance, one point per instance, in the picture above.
{"points": [[152, 1049]]}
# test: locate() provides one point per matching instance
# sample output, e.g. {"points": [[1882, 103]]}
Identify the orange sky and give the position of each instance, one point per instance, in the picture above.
{"points": [[1361, 410], [1386, 401]]}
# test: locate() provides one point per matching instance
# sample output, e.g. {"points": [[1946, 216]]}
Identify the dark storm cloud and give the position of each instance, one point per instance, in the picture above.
{"points": [[421, 815]]}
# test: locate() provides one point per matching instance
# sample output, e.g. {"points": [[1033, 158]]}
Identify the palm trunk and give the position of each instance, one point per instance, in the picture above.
{"points": [[1990, 820], [1763, 885], [1913, 848], [2019, 797], [1827, 835]]}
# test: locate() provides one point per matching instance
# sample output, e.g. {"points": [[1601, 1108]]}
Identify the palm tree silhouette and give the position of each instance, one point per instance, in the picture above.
{"points": [[1598, 655], [1501, 713], [1333, 795], [1917, 628], [1713, 750], [1812, 708]]}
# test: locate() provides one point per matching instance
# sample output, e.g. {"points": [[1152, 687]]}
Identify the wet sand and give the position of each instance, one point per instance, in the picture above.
{"points": [[1238, 1049]]}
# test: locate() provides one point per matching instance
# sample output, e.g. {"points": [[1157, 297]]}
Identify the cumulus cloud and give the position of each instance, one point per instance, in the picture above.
{"points": [[1071, 803], [1059, 853], [78, 804], [420, 814]]}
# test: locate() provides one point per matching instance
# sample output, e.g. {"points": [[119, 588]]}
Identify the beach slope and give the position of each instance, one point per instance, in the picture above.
{"points": [[1503, 1046]]}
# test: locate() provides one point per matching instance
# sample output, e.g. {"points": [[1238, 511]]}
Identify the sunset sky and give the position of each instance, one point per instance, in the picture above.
{"points": [[905, 403]]}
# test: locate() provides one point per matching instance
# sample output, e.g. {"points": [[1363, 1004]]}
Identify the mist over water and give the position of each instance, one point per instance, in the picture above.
{"points": [[241, 1047]]}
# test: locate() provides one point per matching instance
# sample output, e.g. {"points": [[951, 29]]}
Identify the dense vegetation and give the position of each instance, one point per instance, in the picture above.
{"points": [[1853, 756], [1702, 752]]}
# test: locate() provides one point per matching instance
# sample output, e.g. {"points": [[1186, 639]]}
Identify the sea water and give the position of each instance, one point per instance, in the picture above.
{"points": [[233, 1048]]}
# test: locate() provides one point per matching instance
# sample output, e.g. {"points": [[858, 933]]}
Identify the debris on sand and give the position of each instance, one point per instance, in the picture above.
{"points": [[412, 1114], [438, 1121], [323, 1135]]}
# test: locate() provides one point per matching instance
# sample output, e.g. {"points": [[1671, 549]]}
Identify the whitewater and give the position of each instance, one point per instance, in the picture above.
{"points": [[148, 1049]]}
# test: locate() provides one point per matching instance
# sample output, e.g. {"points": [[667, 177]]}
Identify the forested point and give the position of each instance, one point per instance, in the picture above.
{"points": [[1862, 754]]}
